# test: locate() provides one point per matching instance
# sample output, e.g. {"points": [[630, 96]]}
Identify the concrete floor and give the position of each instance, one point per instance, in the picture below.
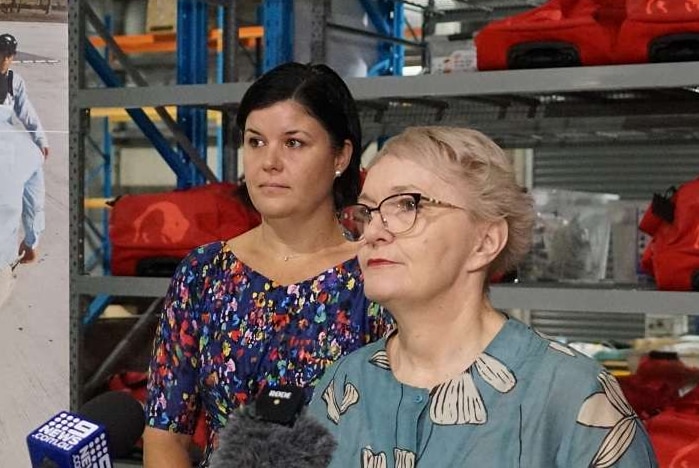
{"points": [[34, 332]]}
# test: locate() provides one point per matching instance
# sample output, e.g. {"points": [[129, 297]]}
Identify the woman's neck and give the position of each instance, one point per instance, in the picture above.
{"points": [[436, 342], [294, 237]]}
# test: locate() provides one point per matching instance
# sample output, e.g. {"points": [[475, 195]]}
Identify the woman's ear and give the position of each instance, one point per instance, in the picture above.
{"points": [[344, 156], [492, 238]]}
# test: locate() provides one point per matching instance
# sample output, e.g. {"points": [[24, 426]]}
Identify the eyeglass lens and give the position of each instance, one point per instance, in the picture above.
{"points": [[398, 213]]}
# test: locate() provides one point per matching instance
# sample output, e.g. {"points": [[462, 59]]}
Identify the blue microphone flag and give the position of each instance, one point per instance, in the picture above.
{"points": [[69, 441]]}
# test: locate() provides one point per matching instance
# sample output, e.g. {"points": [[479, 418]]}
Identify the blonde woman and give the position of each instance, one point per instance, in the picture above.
{"points": [[459, 383]]}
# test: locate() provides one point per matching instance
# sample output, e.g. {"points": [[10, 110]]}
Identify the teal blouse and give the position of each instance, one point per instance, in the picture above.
{"points": [[525, 402]]}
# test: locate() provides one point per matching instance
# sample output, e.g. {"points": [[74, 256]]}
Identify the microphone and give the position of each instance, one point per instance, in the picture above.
{"points": [[104, 428], [122, 417], [275, 432]]}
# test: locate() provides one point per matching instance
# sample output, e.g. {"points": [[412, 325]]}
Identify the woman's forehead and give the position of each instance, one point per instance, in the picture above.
{"points": [[393, 174]]}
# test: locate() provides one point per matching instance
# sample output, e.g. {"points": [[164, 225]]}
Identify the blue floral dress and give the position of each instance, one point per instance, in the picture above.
{"points": [[226, 331]]}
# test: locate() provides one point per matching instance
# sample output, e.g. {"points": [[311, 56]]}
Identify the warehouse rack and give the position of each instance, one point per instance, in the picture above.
{"points": [[625, 106]]}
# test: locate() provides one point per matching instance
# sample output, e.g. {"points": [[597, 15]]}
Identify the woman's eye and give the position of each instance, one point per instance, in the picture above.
{"points": [[294, 143], [406, 204], [255, 142]]}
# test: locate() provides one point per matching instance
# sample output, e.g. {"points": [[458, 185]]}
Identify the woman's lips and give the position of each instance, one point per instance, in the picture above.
{"points": [[378, 262], [273, 188]]}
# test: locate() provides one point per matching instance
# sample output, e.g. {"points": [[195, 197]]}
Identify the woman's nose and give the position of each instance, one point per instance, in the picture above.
{"points": [[375, 229], [272, 158]]}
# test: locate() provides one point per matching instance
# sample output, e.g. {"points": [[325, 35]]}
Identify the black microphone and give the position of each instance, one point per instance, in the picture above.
{"points": [[106, 427], [275, 432], [121, 415]]}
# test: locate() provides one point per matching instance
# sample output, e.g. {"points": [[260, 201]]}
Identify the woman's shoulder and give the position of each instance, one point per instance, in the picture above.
{"points": [[206, 260], [365, 359], [544, 359], [567, 371], [203, 255]]}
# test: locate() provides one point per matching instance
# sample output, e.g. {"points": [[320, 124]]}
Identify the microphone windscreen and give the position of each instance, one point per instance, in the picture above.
{"points": [[254, 443], [123, 419]]}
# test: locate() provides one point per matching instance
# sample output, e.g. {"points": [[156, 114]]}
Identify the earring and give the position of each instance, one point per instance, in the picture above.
{"points": [[338, 174]]}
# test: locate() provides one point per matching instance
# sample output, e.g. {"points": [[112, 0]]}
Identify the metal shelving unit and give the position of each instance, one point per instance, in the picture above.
{"points": [[519, 108], [560, 297], [651, 103]]}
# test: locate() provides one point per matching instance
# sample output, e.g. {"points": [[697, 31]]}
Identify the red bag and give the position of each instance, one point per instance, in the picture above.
{"points": [[672, 256], [164, 227], [659, 31], [558, 33], [674, 433]]}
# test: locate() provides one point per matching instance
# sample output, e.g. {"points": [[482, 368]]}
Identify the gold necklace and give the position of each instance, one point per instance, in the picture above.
{"points": [[286, 258]]}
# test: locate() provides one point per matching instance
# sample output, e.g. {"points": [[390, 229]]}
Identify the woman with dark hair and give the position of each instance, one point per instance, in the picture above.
{"points": [[278, 304]]}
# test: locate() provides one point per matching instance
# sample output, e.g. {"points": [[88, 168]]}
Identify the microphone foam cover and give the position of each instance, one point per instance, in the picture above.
{"points": [[253, 443], [122, 416]]}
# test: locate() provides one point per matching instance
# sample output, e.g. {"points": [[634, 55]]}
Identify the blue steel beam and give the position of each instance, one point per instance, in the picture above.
{"points": [[376, 16], [397, 50], [278, 22], [192, 68], [160, 143], [388, 18], [96, 308]]}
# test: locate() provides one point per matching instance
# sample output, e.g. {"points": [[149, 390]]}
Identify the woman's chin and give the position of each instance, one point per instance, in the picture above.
{"points": [[381, 293]]}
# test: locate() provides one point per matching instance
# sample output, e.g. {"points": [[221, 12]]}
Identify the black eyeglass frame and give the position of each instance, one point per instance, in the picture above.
{"points": [[417, 199]]}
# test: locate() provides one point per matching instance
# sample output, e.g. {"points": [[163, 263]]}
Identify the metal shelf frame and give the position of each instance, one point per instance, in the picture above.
{"points": [[559, 297], [476, 84], [382, 96]]}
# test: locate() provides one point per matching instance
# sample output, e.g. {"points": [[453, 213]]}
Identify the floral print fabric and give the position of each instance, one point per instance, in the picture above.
{"points": [[226, 331], [525, 402]]}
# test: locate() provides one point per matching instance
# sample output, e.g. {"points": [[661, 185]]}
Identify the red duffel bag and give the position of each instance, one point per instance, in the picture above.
{"points": [[559, 33], [151, 233], [659, 31], [672, 255]]}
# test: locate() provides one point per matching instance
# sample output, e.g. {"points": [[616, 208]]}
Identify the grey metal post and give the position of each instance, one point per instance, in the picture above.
{"points": [[78, 125], [320, 14], [230, 74]]}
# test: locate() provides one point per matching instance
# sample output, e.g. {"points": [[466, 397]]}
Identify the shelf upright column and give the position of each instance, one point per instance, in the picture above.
{"points": [[192, 67], [107, 150], [278, 22], [388, 18], [396, 13], [78, 124], [228, 73], [320, 12]]}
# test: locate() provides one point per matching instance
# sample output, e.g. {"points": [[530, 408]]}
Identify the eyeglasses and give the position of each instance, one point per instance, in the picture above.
{"points": [[398, 214]]}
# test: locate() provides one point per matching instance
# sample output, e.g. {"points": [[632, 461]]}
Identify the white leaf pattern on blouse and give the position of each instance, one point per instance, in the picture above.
{"points": [[613, 391], [615, 443], [458, 402], [555, 345], [329, 399], [495, 373], [373, 460], [598, 411], [380, 359], [404, 458], [561, 348], [350, 397], [609, 409]]}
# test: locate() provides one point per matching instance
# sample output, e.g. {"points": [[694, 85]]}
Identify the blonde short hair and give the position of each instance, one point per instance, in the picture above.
{"points": [[465, 156]]}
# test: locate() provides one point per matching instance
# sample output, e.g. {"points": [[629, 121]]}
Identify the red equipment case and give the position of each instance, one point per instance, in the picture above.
{"points": [[151, 233], [659, 31], [558, 33]]}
